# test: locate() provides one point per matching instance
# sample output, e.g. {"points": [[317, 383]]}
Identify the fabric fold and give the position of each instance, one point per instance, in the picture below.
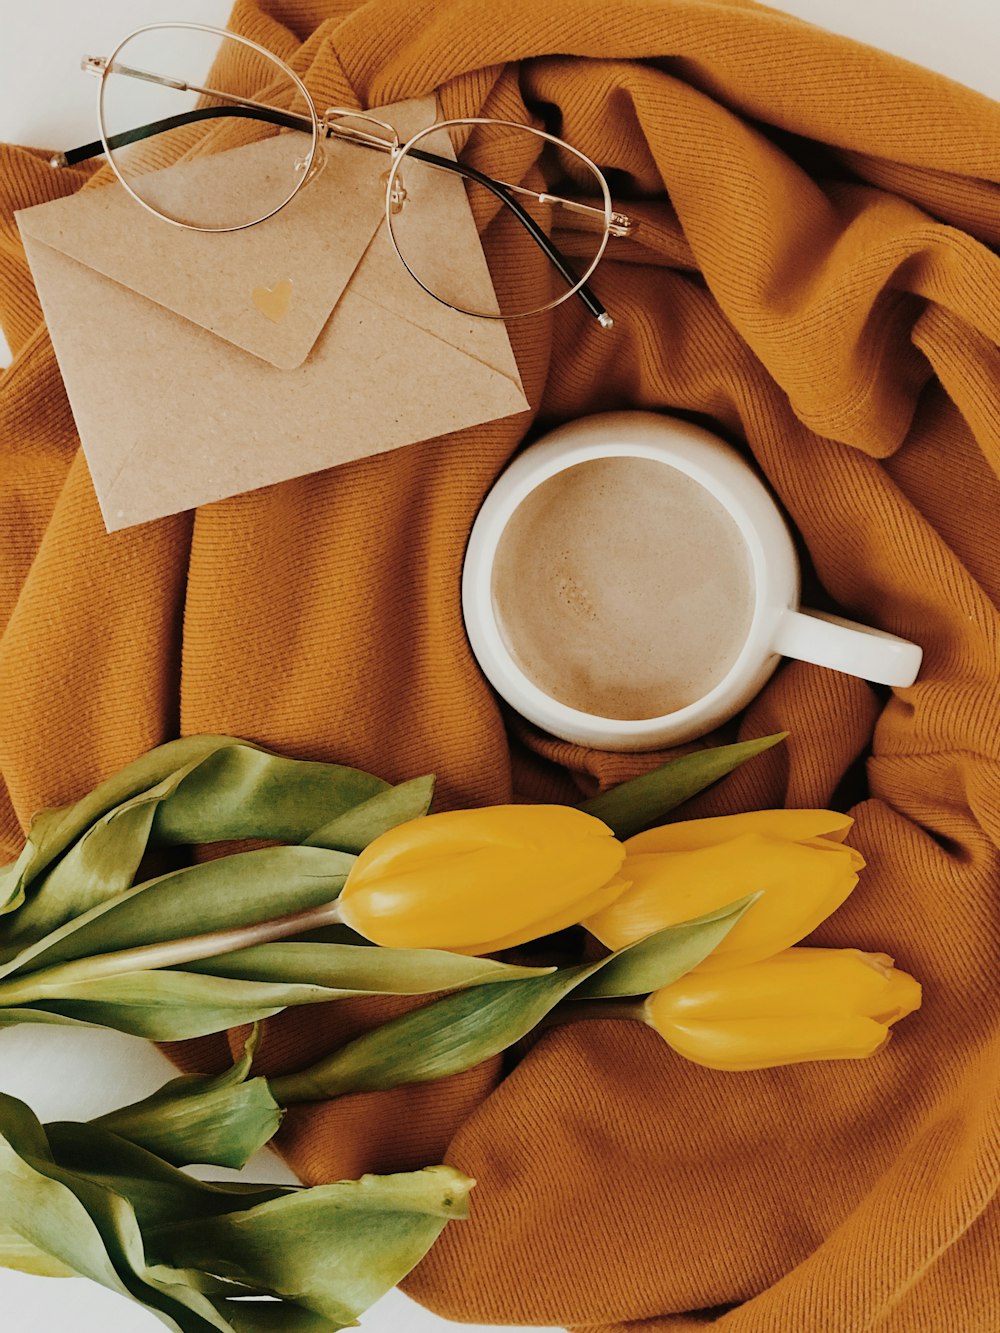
{"points": [[814, 280]]}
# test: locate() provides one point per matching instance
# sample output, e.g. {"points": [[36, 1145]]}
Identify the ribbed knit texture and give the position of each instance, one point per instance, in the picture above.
{"points": [[813, 279]]}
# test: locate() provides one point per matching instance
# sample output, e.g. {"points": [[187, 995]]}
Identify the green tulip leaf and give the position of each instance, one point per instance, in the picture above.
{"points": [[190, 1250], [84, 1226], [361, 970], [171, 1005], [231, 892], [222, 1126], [443, 1038], [20, 1254], [644, 801], [357, 827], [196, 791], [663, 958], [15, 873], [29, 1014], [53, 831], [276, 1317], [461, 1030], [47, 1219], [334, 1248], [100, 865], [220, 1121], [12, 879], [244, 792], [159, 1194]]}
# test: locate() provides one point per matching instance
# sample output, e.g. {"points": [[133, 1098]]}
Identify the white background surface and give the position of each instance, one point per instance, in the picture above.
{"points": [[73, 1075]]}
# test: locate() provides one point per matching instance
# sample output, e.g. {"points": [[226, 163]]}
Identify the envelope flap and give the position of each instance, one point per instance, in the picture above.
{"points": [[269, 288]]}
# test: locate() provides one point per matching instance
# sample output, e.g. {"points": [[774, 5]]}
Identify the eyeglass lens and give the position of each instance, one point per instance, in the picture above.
{"points": [[511, 220], [181, 95]]}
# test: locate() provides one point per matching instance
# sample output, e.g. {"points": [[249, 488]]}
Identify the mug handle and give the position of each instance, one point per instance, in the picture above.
{"points": [[844, 645]]}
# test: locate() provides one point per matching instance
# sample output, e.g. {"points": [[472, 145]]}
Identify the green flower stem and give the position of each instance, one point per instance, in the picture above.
{"points": [[50, 982]]}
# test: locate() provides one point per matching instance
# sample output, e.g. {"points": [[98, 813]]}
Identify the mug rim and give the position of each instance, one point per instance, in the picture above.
{"points": [[685, 447]]}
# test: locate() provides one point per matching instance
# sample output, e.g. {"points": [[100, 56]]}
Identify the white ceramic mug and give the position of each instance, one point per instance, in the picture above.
{"points": [[778, 627]]}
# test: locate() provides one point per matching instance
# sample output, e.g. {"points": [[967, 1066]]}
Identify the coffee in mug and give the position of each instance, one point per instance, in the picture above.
{"points": [[629, 583], [639, 588]]}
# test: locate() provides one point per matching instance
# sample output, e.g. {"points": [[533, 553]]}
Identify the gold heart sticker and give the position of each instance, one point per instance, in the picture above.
{"points": [[273, 302]]}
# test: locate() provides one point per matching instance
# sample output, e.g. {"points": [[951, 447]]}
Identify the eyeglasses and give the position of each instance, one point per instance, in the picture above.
{"points": [[174, 95]]}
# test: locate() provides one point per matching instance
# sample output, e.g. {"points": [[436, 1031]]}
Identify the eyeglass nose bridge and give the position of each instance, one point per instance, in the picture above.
{"points": [[333, 125]]}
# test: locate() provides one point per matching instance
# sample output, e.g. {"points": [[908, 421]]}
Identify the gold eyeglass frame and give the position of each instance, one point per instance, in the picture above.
{"points": [[334, 124]]}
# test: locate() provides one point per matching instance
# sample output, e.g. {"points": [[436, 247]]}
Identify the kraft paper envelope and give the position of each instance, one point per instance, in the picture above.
{"points": [[202, 365]]}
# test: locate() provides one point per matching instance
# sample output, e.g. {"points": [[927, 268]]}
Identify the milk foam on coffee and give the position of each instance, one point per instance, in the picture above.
{"points": [[623, 588]]}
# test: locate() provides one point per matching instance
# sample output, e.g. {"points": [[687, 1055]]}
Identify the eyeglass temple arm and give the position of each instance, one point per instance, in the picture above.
{"points": [[270, 114], [273, 116], [621, 225]]}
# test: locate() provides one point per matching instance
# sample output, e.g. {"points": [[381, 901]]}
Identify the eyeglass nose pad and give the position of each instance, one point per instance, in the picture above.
{"points": [[318, 163], [398, 196]]}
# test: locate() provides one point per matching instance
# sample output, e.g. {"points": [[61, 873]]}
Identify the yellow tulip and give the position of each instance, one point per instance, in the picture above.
{"points": [[680, 871], [475, 881], [803, 1004]]}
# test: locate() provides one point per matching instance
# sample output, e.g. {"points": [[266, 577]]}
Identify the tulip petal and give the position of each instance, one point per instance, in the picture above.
{"points": [[549, 925], [801, 886], [497, 873], [804, 982], [456, 832], [754, 1043], [804, 1004], [687, 835], [823, 845]]}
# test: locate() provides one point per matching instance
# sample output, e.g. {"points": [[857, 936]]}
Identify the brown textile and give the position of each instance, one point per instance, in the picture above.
{"points": [[814, 279]]}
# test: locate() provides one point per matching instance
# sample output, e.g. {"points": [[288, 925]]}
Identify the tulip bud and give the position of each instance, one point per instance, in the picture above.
{"points": [[803, 1004], [475, 881], [796, 858]]}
